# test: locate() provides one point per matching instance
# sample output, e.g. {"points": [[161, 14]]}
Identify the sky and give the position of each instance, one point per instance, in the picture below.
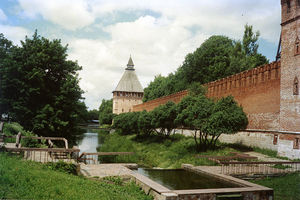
{"points": [[158, 34]]}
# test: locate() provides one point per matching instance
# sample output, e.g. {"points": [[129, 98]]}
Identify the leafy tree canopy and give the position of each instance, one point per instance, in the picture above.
{"points": [[105, 112], [210, 118], [217, 57], [39, 86]]}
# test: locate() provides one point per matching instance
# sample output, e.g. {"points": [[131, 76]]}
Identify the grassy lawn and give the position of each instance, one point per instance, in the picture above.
{"points": [[158, 152], [29, 180], [285, 187]]}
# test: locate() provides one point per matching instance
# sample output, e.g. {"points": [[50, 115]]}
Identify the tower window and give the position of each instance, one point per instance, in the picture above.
{"points": [[288, 3], [275, 139], [296, 87], [297, 46], [296, 143]]}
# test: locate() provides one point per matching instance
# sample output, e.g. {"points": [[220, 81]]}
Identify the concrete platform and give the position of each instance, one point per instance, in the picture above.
{"points": [[102, 170]]}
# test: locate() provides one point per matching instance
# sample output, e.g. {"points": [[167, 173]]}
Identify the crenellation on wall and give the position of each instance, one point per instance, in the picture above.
{"points": [[257, 90], [150, 105]]}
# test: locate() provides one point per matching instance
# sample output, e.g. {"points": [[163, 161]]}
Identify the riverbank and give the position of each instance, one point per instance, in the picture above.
{"points": [[172, 152], [160, 152], [29, 180]]}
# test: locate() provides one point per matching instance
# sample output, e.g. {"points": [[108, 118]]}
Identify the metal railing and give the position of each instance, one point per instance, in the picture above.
{"points": [[260, 168]]}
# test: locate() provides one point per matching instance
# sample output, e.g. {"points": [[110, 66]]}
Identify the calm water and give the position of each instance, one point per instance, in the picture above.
{"points": [[90, 141], [180, 179]]}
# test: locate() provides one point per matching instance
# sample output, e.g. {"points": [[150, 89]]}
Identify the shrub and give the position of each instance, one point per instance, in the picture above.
{"points": [[144, 123], [127, 123], [163, 118], [14, 128], [61, 166]]}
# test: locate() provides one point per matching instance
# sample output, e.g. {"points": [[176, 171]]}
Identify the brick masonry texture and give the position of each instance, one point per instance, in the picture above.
{"points": [[256, 90]]}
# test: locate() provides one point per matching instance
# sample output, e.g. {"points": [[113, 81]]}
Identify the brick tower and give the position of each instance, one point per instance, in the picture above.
{"points": [[290, 66], [129, 91]]}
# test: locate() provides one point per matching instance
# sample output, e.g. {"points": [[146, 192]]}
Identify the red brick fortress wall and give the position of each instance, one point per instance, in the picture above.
{"points": [[150, 105], [257, 90]]}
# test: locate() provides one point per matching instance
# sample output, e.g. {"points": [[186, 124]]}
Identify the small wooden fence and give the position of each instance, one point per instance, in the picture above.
{"points": [[259, 168], [46, 154], [92, 158], [48, 139]]}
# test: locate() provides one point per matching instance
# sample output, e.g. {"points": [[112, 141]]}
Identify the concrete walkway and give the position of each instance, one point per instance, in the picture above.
{"points": [[102, 170]]}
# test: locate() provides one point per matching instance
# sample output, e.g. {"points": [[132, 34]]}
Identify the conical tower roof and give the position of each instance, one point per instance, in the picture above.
{"points": [[129, 81]]}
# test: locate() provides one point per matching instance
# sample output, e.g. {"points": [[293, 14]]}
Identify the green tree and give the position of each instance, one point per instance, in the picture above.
{"points": [[6, 48], [46, 95], [209, 119], [92, 114], [163, 118], [144, 123], [105, 112], [210, 61], [127, 123], [216, 58], [244, 55]]}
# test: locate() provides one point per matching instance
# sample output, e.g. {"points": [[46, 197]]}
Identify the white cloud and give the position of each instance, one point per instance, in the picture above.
{"points": [[155, 49], [14, 33], [157, 42], [70, 14], [2, 15]]}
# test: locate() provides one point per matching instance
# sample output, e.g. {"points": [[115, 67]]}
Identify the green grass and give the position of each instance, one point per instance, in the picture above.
{"points": [[158, 152], [285, 187], [29, 180]]}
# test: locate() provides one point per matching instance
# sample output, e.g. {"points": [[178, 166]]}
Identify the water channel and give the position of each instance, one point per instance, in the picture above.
{"points": [[90, 141], [172, 179]]}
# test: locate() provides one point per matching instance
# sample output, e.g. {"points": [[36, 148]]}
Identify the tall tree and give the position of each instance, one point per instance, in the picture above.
{"points": [[6, 47], [217, 57], [106, 112], [46, 95]]}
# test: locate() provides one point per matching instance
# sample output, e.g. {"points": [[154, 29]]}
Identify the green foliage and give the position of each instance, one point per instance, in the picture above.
{"points": [[216, 58], [105, 112], [127, 123], [158, 151], [12, 129], [92, 115], [113, 179], [6, 48], [144, 123], [30, 180], [61, 166], [163, 118], [285, 187], [41, 87], [209, 119], [162, 86]]}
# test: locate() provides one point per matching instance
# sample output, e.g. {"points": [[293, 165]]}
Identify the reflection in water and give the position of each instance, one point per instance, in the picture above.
{"points": [[179, 179], [89, 142]]}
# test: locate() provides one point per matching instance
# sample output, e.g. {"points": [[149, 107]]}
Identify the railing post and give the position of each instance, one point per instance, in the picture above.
{"points": [[66, 143], [1, 127], [18, 140]]}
